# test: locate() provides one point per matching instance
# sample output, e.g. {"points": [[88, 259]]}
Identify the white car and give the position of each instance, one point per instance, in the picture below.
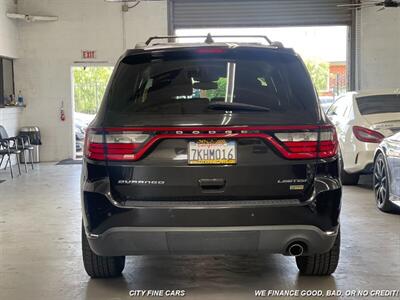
{"points": [[326, 102], [363, 120]]}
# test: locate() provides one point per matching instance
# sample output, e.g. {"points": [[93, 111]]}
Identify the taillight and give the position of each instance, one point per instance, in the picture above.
{"points": [[367, 135], [310, 144], [293, 142], [113, 145]]}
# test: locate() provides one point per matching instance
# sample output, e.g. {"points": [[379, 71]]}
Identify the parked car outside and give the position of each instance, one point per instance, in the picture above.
{"points": [[386, 178], [83, 119], [363, 120], [210, 148], [79, 137], [81, 122]]}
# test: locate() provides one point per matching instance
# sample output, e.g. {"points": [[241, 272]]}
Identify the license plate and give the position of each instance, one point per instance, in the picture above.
{"points": [[212, 152]]}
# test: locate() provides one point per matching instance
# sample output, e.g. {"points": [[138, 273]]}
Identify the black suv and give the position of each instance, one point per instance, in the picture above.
{"points": [[210, 148]]}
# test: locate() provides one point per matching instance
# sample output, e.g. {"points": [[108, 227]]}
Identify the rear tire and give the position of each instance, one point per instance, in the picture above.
{"points": [[100, 266], [381, 185], [320, 264]]}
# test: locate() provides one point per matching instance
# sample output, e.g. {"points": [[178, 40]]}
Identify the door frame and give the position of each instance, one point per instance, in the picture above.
{"points": [[77, 65]]}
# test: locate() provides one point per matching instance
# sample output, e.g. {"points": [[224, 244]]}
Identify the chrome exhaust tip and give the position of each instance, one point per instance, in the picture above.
{"points": [[296, 249]]}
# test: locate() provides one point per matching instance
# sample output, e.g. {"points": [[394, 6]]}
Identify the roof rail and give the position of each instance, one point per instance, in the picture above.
{"points": [[209, 38]]}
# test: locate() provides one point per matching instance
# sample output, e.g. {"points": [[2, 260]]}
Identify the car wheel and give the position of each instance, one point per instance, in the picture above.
{"points": [[100, 266], [381, 184], [346, 178], [320, 264]]}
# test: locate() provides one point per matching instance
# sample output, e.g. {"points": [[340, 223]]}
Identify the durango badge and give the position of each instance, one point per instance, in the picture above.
{"points": [[134, 181]]}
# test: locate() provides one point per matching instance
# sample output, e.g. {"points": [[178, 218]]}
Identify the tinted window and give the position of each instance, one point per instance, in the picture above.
{"points": [[378, 104], [186, 82]]}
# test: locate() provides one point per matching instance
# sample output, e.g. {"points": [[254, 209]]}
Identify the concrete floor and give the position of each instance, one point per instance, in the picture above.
{"points": [[41, 258]]}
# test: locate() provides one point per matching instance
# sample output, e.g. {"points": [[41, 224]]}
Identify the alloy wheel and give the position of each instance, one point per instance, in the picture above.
{"points": [[380, 182]]}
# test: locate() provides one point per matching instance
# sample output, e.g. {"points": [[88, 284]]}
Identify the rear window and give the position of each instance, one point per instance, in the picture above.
{"points": [[186, 82], [379, 104]]}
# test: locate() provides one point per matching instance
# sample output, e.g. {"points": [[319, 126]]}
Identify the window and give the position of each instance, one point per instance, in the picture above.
{"points": [[332, 110], [379, 104], [186, 83], [6, 80], [339, 108]]}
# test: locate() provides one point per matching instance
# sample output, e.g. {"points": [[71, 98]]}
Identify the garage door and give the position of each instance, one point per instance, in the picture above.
{"points": [[255, 13]]}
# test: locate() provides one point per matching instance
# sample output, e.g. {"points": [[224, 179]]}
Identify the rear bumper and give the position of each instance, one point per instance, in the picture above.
{"points": [[363, 163], [121, 241], [213, 227], [116, 227]]}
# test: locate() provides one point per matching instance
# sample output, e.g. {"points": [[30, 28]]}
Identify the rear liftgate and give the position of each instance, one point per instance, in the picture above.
{"points": [[211, 163]]}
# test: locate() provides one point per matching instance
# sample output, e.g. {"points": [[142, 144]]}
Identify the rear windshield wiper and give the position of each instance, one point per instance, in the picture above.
{"points": [[221, 105]]}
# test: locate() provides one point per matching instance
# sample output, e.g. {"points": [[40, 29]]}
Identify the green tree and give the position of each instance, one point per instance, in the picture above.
{"points": [[319, 72], [89, 86], [220, 91]]}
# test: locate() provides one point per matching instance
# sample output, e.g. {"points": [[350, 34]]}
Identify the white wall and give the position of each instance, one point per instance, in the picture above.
{"points": [[8, 30], [380, 48], [10, 116], [10, 119], [48, 51]]}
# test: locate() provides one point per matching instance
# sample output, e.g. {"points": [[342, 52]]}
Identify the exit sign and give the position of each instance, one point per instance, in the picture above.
{"points": [[88, 54]]}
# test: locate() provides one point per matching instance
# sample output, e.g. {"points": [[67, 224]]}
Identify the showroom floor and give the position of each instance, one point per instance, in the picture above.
{"points": [[41, 257]]}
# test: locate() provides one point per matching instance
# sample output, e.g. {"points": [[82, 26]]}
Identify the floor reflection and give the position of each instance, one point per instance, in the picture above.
{"points": [[208, 277]]}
